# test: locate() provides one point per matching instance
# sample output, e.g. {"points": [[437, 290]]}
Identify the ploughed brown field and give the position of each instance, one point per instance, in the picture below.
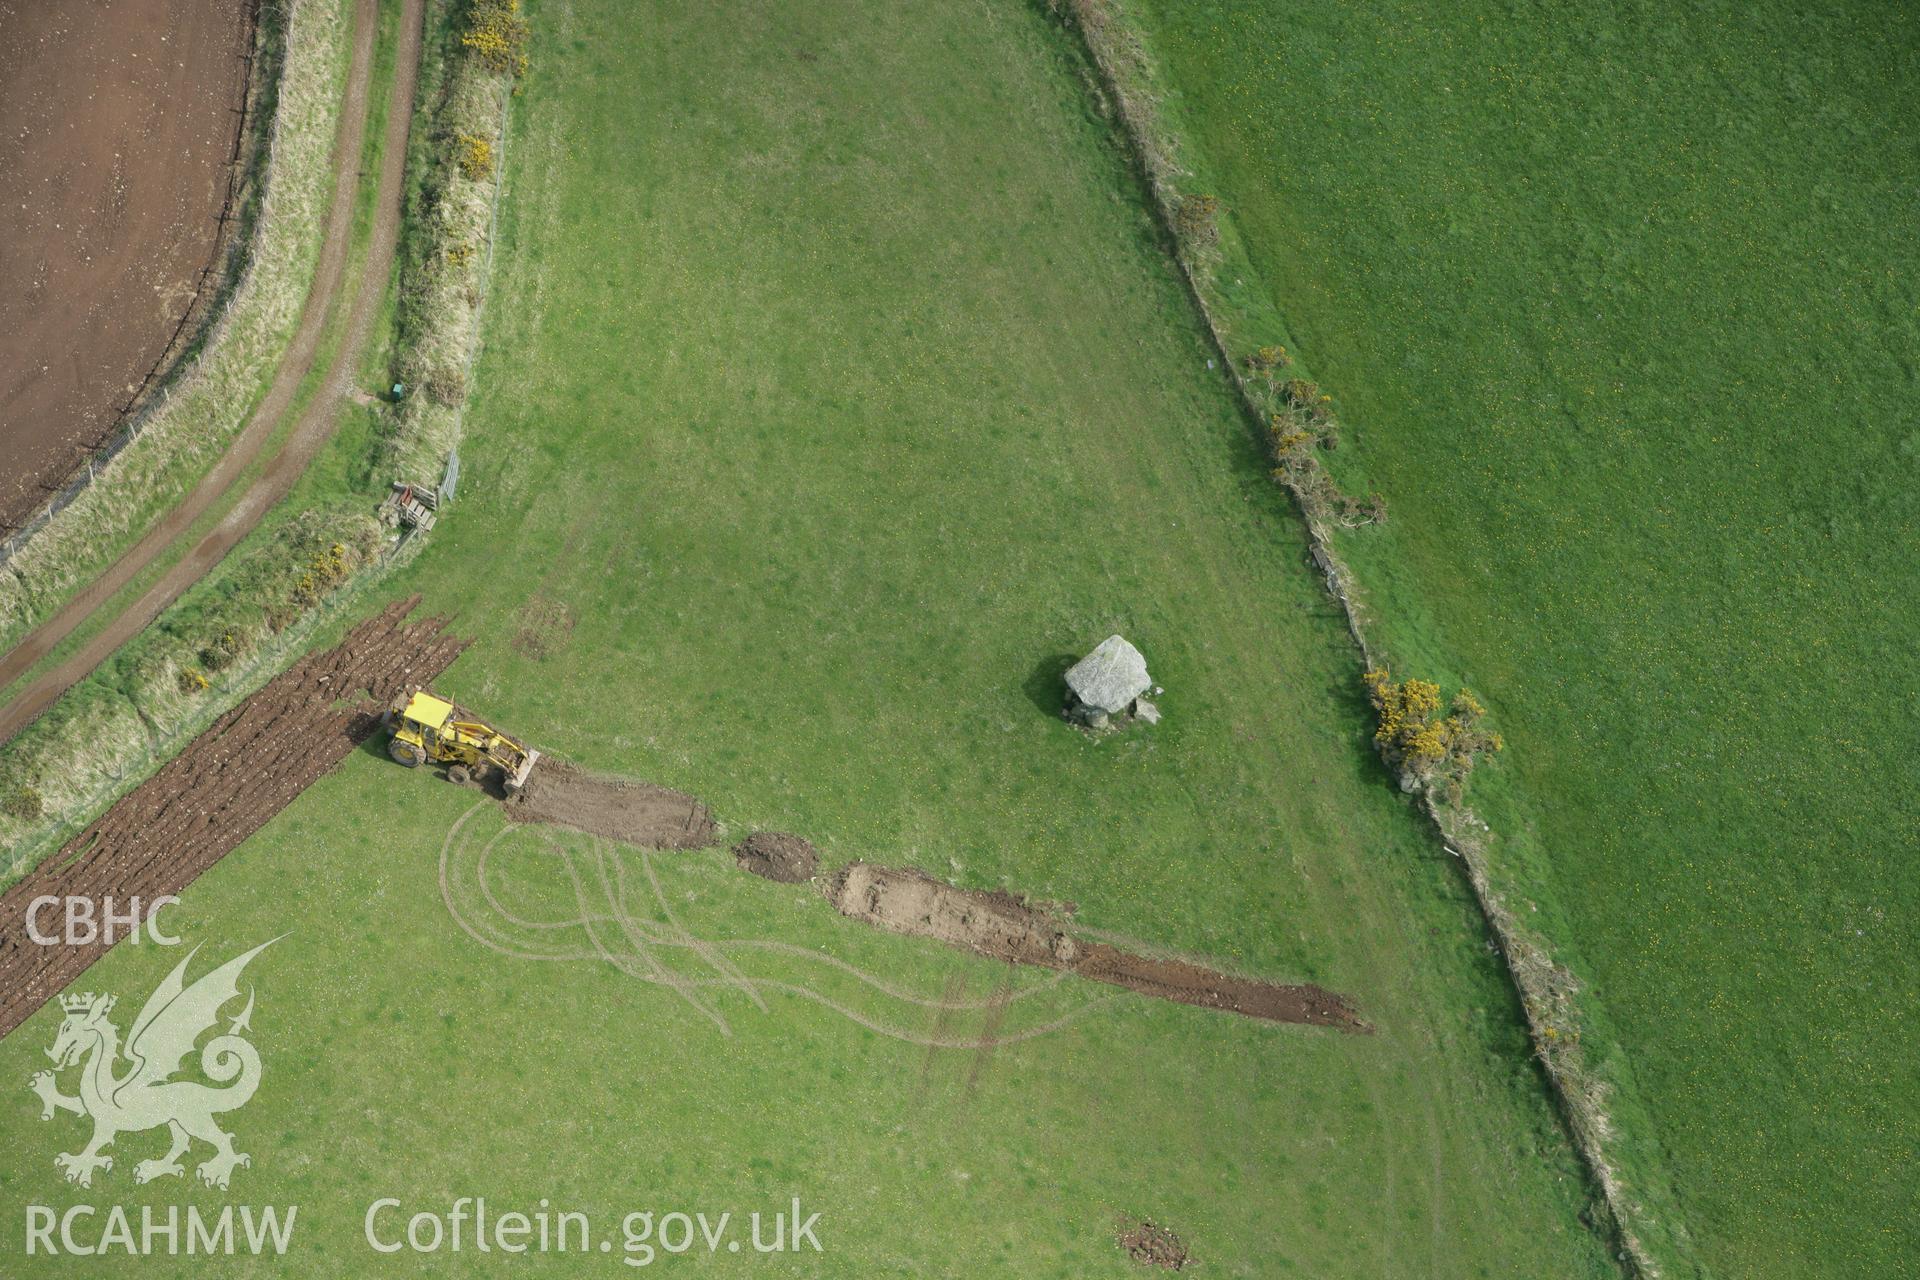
{"points": [[117, 121]]}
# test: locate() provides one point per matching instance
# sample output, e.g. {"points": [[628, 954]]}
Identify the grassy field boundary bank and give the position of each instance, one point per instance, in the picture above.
{"points": [[446, 251], [106, 737], [262, 606], [1558, 1023], [209, 396]]}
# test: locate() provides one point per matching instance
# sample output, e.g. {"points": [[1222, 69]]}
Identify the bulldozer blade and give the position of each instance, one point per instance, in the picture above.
{"points": [[518, 778]]}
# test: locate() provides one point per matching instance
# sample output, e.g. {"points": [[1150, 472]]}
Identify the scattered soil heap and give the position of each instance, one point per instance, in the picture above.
{"points": [[1004, 927], [623, 809], [788, 859], [1152, 1245], [229, 781]]}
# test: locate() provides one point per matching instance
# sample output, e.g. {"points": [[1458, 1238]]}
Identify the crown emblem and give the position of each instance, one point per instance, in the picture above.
{"points": [[82, 1002]]}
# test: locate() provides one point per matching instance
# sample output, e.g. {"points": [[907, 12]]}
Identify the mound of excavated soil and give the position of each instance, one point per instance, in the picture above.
{"points": [[788, 859], [621, 809], [1152, 1245], [1004, 927]]}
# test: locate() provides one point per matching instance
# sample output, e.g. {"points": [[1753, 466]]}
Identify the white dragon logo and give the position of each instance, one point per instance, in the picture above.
{"points": [[146, 1096]]}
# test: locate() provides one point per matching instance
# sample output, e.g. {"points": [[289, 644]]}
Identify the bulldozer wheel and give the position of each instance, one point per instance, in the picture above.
{"points": [[459, 775], [406, 753]]}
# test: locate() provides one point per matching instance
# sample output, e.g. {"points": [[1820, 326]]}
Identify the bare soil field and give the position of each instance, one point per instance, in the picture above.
{"points": [[316, 423], [230, 780], [121, 118]]}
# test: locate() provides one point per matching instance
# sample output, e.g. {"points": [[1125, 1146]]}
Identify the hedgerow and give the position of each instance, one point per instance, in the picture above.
{"points": [[1300, 419], [242, 619], [496, 33], [450, 226]]}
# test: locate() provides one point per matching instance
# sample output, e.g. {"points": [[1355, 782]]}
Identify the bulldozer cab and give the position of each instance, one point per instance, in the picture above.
{"points": [[418, 719], [425, 713]]}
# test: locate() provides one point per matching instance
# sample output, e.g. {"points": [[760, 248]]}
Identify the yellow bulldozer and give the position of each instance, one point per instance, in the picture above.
{"points": [[426, 728]]}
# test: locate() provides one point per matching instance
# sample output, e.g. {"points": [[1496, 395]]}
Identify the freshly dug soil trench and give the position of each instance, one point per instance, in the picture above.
{"points": [[228, 782], [1194, 984], [906, 900], [1003, 927], [774, 856], [618, 808]]}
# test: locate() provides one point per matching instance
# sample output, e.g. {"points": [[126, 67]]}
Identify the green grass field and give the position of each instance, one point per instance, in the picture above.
{"points": [[1619, 309], [835, 389]]}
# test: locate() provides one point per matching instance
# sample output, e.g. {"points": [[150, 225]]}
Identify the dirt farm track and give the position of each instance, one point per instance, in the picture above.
{"points": [[119, 120]]}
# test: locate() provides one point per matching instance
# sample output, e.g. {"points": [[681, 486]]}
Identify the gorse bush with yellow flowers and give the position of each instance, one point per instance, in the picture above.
{"points": [[475, 156], [1297, 429], [496, 31], [1425, 746]]}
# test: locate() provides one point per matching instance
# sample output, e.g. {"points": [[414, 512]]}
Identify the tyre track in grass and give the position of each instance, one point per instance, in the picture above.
{"points": [[458, 862], [1146, 974], [310, 434], [951, 1002]]}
